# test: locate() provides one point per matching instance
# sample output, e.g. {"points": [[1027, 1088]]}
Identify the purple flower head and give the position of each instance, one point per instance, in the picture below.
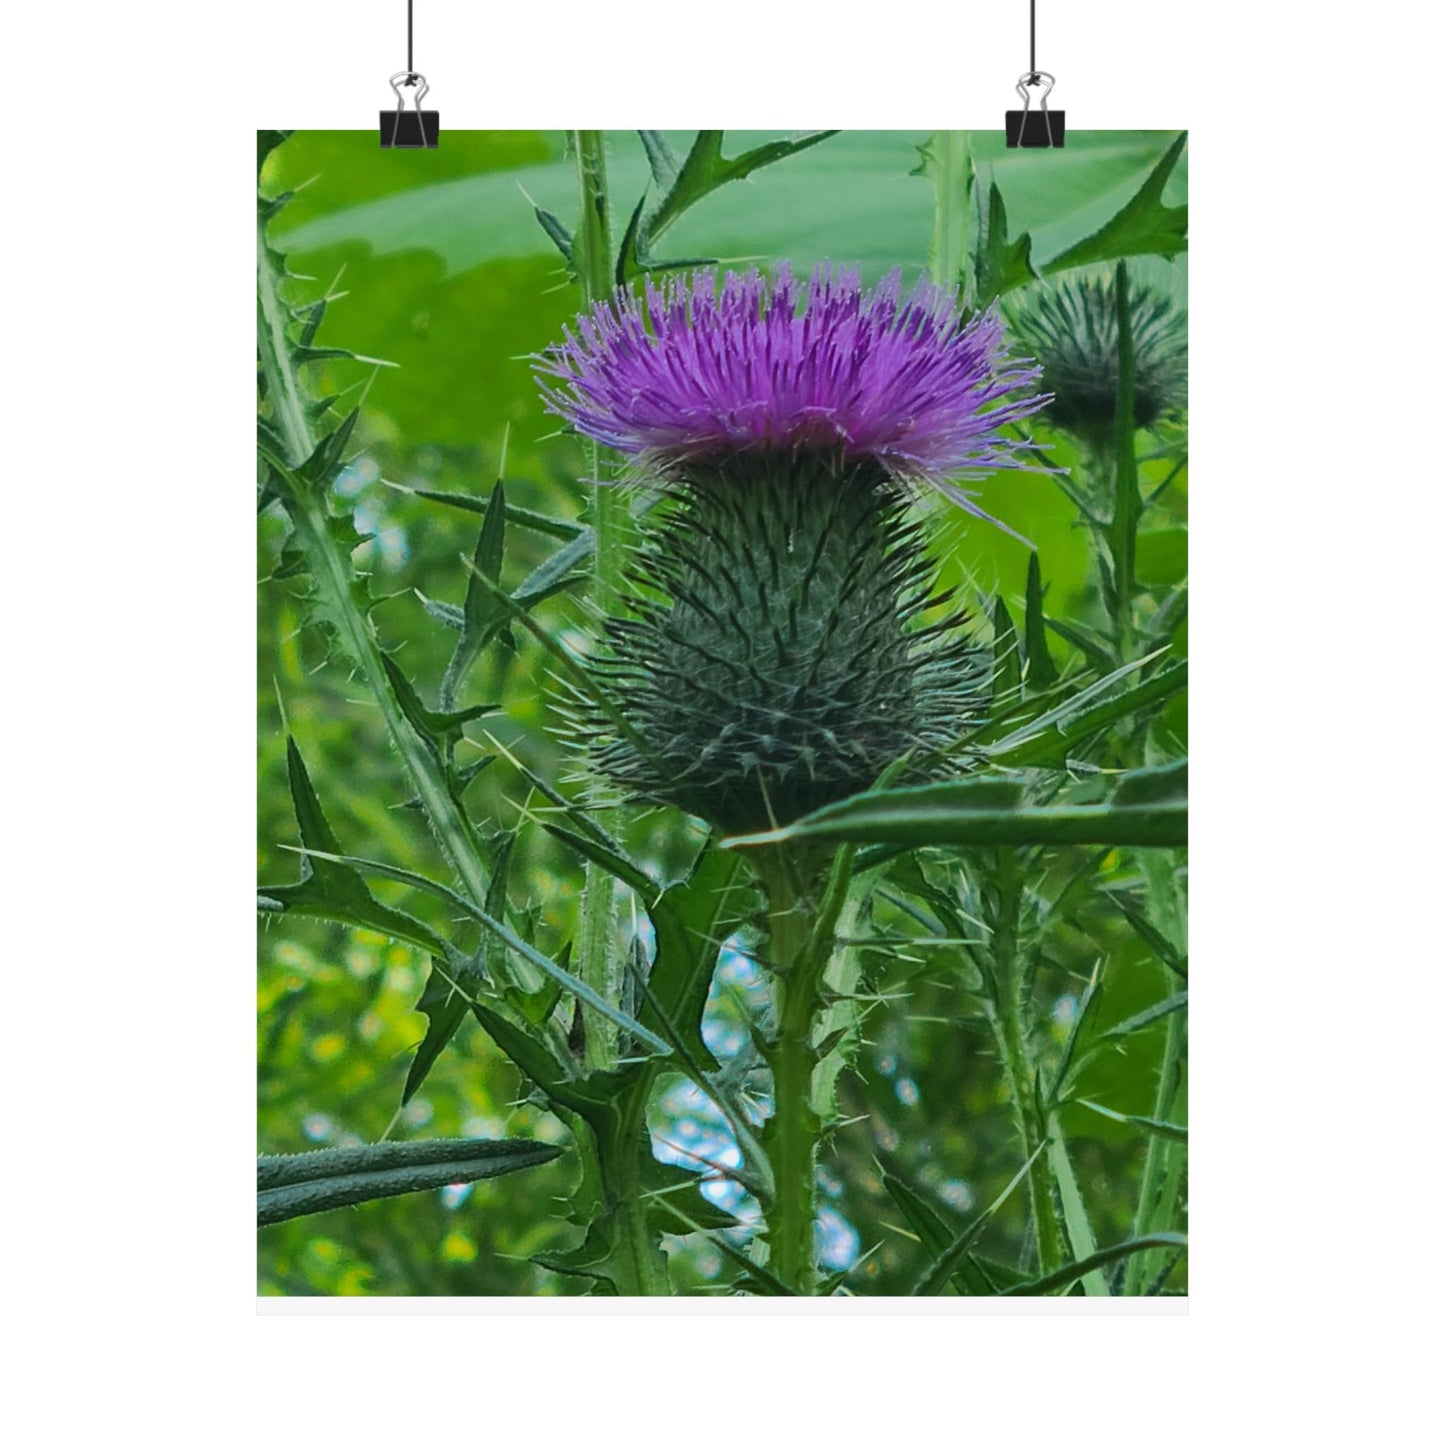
{"points": [[691, 374]]}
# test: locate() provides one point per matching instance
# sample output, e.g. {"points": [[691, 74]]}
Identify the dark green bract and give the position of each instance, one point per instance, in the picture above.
{"points": [[780, 654]]}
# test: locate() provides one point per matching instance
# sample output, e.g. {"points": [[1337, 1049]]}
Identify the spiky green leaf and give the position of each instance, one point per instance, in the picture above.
{"points": [[1000, 264], [329, 889], [1144, 227], [481, 617], [557, 233], [704, 170]]}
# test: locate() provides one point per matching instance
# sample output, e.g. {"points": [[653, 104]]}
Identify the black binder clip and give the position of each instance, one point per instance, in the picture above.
{"points": [[1041, 127], [404, 129]]}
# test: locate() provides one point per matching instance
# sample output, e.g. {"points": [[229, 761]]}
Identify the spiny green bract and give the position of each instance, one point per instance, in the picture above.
{"points": [[778, 658]]}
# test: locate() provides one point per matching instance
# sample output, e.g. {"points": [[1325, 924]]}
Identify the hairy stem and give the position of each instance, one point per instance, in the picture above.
{"points": [[1163, 1161], [599, 956], [642, 1264], [948, 165], [592, 245], [1164, 1158], [592, 257], [1006, 1009], [841, 1015], [796, 962]]}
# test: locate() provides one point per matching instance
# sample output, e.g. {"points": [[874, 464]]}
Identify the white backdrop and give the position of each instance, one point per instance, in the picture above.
{"points": [[130, 564], [765, 63]]}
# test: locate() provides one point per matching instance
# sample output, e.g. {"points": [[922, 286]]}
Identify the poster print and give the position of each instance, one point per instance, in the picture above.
{"points": [[722, 714]]}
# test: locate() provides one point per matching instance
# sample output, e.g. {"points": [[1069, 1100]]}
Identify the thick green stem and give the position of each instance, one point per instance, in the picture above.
{"points": [[1006, 1009], [948, 165], [641, 1262], [1124, 526], [599, 957], [592, 258], [599, 961], [840, 1016], [592, 245], [1164, 1159], [331, 571], [793, 1133], [282, 383]]}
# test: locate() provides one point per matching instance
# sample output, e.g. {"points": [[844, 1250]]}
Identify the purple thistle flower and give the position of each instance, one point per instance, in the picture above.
{"points": [[690, 375], [787, 643]]}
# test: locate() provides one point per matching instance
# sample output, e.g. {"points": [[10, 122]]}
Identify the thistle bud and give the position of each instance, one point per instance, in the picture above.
{"points": [[1073, 329]]}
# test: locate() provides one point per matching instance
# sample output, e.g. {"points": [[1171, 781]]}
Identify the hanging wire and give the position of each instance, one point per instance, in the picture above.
{"points": [[413, 129], [1045, 127]]}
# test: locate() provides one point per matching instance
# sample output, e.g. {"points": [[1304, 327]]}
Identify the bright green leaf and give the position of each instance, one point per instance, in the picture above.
{"points": [[1144, 227]]}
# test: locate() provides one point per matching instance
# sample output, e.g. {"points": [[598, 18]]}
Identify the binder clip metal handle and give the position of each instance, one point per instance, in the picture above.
{"points": [[408, 78], [1031, 128], [416, 129], [1031, 78]]}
